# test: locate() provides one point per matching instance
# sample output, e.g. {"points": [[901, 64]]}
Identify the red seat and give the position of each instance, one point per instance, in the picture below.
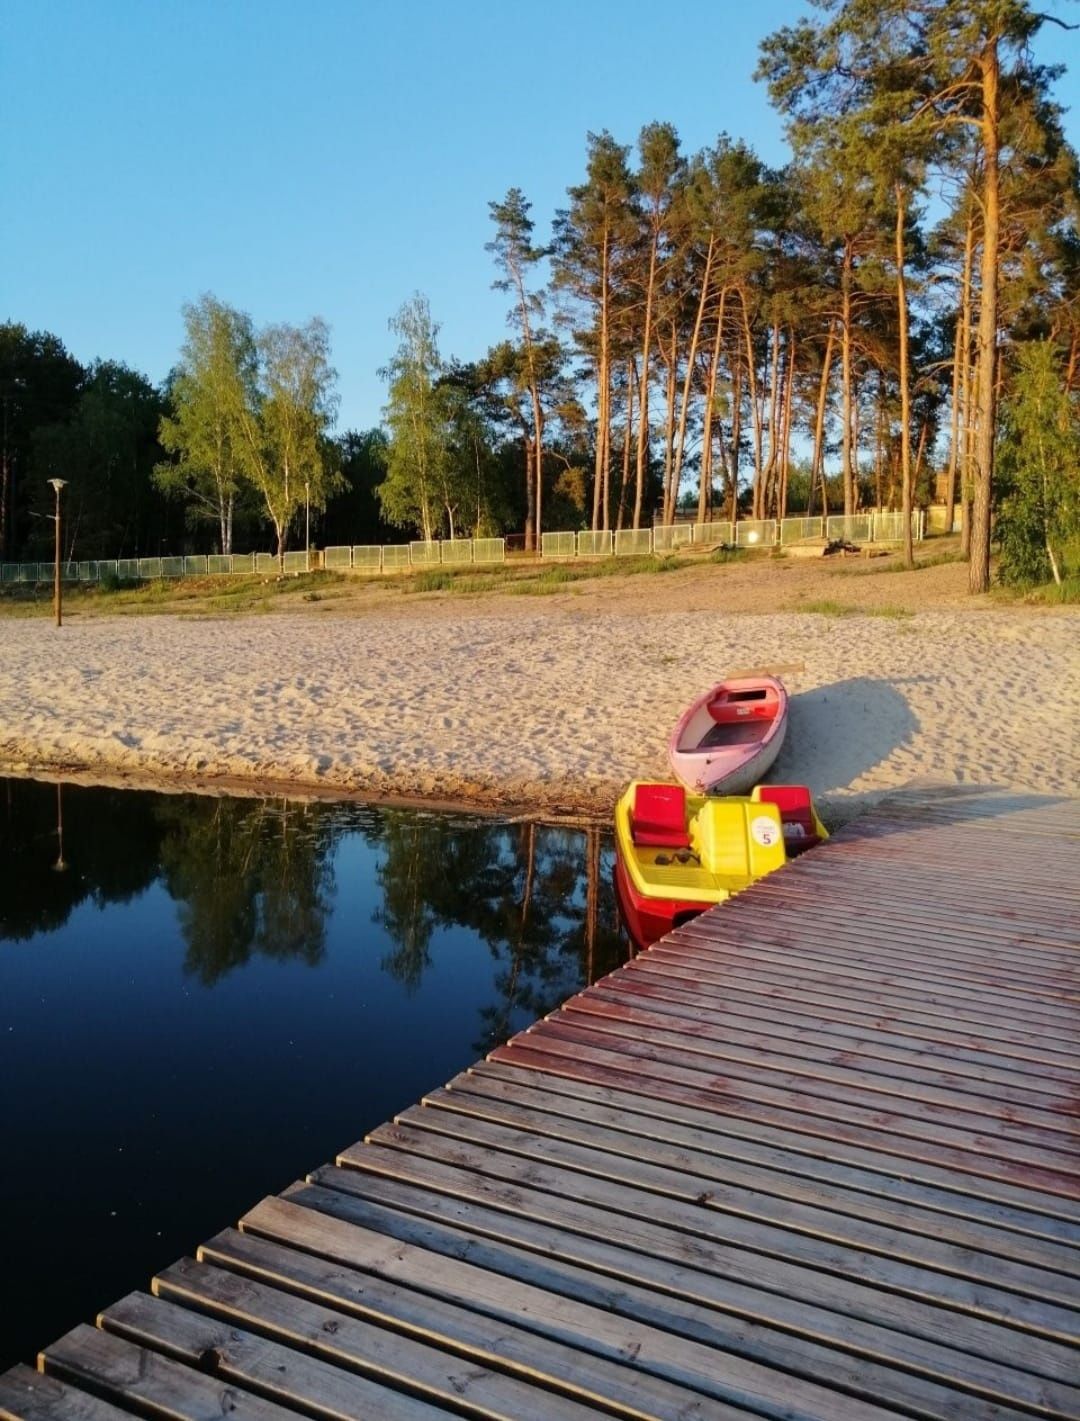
{"points": [[658, 818], [796, 814]]}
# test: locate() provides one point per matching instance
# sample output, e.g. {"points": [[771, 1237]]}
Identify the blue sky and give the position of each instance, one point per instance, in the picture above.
{"points": [[329, 158]]}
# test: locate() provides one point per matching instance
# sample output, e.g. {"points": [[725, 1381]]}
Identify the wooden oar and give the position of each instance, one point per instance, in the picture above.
{"points": [[780, 670]]}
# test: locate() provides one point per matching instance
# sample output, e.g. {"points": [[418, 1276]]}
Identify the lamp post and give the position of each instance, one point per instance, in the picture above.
{"points": [[57, 484], [307, 526]]}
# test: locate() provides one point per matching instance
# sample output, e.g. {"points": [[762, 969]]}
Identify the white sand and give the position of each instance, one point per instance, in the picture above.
{"points": [[552, 705]]}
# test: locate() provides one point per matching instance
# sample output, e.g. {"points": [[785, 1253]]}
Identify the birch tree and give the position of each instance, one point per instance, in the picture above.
{"points": [[287, 448], [214, 384]]}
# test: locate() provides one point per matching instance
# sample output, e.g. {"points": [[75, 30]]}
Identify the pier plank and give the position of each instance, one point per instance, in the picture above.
{"points": [[574, 1304], [26, 1395]]}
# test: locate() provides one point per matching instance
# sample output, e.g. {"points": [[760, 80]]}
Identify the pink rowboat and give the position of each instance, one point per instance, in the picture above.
{"points": [[726, 741]]}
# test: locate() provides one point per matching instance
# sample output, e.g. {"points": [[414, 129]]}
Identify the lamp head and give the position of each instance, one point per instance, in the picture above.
{"points": [[58, 484]]}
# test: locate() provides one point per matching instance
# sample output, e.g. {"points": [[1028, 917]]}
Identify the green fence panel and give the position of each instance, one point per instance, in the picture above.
{"points": [[149, 568], [596, 544], [368, 558], [337, 559], [558, 545], [756, 533], [127, 568], [666, 537], [633, 542], [850, 527], [889, 527], [217, 564], [11, 572], [194, 566], [424, 554], [108, 568], [801, 530], [69, 571], [242, 563], [489, 549], [715, 534], [86, 571], [266, 564], [295, 562], [172, 567], [395, 557], [457, 551]]}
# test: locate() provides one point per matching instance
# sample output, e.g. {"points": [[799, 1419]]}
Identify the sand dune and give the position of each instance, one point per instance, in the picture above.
{"points": [[556, 706]]}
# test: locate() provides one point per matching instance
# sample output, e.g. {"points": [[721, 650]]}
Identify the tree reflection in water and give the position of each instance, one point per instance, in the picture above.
{"points": [[249, 876], [256, 877], [534, 894]]}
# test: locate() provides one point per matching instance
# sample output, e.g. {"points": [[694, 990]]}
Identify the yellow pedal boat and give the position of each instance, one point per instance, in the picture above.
{"points": [[678, 853]]}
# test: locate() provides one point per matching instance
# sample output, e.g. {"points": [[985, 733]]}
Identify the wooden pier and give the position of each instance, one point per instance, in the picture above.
{"points": [[817, 1154]]}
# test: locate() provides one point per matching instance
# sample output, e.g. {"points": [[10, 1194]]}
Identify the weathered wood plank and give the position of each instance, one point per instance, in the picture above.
{"points": [[742, 996], [747, 1080], [140, 1378], [575, 1306], [478, 1313], [388, 1356], [26, 1395], [770, 1172], [964, 1056], [830, 1160], [988, 1091], [282, 1375], [731, 1313], [753, 1102], [724, 1217]]}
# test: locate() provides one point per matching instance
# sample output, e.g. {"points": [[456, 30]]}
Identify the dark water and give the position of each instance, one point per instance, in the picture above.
{"points": [[202, 998]]}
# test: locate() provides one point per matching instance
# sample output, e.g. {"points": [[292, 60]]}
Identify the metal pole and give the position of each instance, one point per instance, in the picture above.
{"points": [[56, 581], [307, 528], [57, 484]]}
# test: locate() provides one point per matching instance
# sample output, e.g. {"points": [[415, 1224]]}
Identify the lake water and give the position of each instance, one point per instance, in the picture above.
{"points": [[202, 998]]}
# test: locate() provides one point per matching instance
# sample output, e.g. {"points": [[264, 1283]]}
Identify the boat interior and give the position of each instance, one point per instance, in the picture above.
{"points": [[733, 715]]}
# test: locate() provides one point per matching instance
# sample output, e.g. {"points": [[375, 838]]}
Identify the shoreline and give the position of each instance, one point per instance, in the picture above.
{"points": [[540, 709]]}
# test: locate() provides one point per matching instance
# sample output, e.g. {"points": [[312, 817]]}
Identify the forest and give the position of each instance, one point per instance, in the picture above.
{"points": [[889, 319]]}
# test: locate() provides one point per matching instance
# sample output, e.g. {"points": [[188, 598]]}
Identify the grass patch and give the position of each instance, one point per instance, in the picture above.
{"points": [[827, 607], [1050, 594], [894, 612], [726, 555]]}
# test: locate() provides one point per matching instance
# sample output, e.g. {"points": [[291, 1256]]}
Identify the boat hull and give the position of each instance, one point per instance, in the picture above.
{"points": [[699, 756]]}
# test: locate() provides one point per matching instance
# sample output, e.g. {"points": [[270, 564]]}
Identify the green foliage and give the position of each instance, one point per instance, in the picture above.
{"points": [[106, 449], [417, 416], [1039, 471], [288, 455], [211, 390]]}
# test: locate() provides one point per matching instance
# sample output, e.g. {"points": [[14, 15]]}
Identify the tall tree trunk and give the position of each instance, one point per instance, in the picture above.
{"points": [[961, 364], [907, 491], [603, 391], [845, 366], [755, 411], [531, 541], [736, 437], [680, 447], [763, 484], [643, 399], [818, 465], [672, 362], [705, 484], [627, 433], [979, 562], [785, 446]]}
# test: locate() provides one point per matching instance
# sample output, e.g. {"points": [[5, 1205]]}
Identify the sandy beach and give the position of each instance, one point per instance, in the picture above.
{"points": [[540, 703]]}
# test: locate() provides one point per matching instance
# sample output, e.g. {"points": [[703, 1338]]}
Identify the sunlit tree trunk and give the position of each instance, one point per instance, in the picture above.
{"points": [[979, 560]]}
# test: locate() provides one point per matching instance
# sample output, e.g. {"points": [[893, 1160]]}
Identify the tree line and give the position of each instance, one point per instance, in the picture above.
{"points": [[872, 323]]}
